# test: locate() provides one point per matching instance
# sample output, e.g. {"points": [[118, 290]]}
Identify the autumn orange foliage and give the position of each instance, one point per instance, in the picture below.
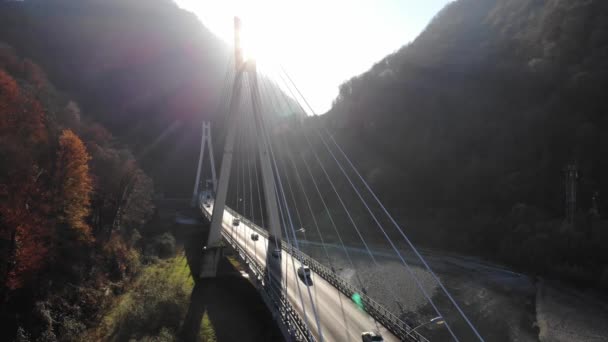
{"points": [[24, 202], [74, 184], [64, 217], [21, 117], [31, 235]]}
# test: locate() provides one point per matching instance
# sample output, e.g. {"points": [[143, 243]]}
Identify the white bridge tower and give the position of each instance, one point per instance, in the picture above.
{"points": [[244, 69], [205, 142]]}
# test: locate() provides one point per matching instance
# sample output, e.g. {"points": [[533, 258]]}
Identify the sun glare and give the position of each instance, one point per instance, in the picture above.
{"points": [[253, 44], [321, 43]]}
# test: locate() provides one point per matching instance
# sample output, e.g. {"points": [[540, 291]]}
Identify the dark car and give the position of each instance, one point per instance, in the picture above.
{"points": [[276, 253], [305, 274], [369, 336], [255, 237]]}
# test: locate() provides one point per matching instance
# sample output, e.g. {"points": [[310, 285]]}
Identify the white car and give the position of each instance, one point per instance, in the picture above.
{"points": [[369, 336]]}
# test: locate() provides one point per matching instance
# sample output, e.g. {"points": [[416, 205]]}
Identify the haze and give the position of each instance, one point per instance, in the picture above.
{"points": [[321, 43]]}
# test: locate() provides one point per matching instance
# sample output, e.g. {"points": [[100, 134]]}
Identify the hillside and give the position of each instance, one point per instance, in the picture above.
{"points": [[73, 201], [466, 131], [147, 70]]}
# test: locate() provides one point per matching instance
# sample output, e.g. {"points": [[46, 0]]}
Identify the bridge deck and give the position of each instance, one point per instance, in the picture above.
{"points": [[339, 318]]}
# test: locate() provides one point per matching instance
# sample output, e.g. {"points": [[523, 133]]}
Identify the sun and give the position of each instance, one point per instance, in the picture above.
{"points": [[260, 25], [255, 42]]}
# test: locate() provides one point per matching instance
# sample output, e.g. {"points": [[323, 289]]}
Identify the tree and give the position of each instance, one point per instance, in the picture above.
{"points": [[51, 193], [138, 204], [74, 184], [24, 208], [30, 232], [123, 192], [34, 74], [21, 118]]}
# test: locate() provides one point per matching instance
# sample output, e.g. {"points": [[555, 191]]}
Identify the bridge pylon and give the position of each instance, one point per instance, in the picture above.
{"points": [[205, 142], [212, 249]]}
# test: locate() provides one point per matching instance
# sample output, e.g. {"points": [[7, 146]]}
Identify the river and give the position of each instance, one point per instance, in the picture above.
{"points": [[502, 304]]}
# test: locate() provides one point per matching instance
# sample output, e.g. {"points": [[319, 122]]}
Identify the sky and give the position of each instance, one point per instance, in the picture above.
{"points": [[320, 43]]}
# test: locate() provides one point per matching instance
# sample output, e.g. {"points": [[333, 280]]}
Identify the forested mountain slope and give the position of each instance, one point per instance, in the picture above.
{"points": [[73, 201], [147, 70], [466, 131]]}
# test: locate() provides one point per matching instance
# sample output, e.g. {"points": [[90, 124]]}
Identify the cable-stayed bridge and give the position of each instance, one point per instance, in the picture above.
{"points": [[284, 178]]}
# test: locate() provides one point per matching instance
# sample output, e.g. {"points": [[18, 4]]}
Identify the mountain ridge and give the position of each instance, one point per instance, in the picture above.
{"points": [[467, 130], [147, 70]]}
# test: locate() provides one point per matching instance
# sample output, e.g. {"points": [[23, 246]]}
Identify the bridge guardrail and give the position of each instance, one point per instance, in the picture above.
{"points": [[288, 316], [373, 308]]}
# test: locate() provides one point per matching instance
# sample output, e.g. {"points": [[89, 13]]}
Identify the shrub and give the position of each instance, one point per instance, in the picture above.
{"points": [[162, 246], [135, 238], [165, 335], [206, 332], [71, 329], [47, 336], [156, 305], [166, 245], [121, 260], [22, 335]]}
